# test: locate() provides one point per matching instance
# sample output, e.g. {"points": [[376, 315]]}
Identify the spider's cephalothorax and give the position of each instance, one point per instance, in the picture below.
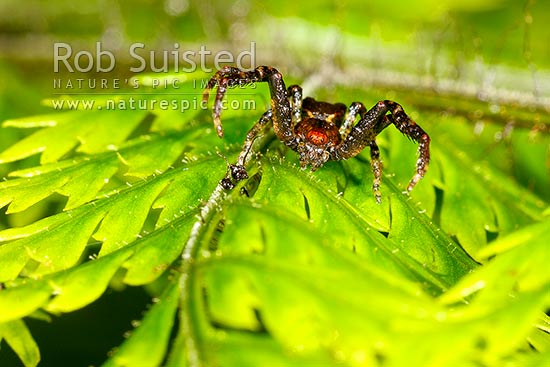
{"points": [[317, 131]]}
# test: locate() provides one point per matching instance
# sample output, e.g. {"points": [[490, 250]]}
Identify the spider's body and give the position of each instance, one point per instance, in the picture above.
{"points": [[317, 131]]}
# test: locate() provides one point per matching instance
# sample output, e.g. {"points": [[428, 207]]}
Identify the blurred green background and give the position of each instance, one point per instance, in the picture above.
{"points": [[488, 44], [434, 52]]}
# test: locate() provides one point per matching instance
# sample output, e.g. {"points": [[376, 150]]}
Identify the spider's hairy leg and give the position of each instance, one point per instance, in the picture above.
{"points": [[221, 80], [357, 137], [295, 98], [228, 77], [237, 172], [252, 134], [373, 122], [376, 166], [409, 128], [354, 109], [363, 133]]}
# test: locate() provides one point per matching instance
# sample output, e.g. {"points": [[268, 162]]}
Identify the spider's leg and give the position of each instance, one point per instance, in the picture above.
{"points": [[409, 128], [357, 137], [354, 109], [253, 134], [228, 77], [295, 98], [373, 122], [376, 166], [363, 133], [222, 80], [237, 171]]}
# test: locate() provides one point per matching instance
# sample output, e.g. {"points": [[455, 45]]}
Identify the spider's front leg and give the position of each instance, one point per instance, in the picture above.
{"points": [[237, 171], [228, 77], [284, 113]]}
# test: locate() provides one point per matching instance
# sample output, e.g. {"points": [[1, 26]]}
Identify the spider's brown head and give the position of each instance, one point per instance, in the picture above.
{"points": [[315, 140]]}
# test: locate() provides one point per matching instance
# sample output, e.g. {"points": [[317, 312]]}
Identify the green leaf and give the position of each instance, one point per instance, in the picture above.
{"points": [[81, 130], [155, 252], [503, 275], [20, 301], [65, 178], [148, 343], [413, 244], [19, 338], [72, 288], [477, 198], [49, 248]]}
